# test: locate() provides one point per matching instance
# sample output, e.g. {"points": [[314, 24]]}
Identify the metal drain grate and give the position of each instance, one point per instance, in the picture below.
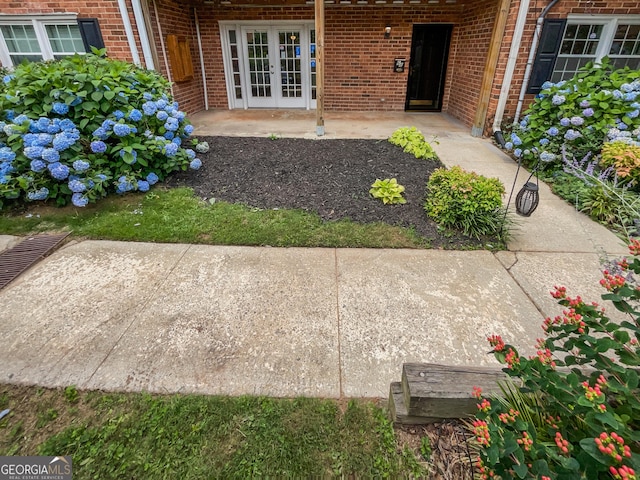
{"points": [[17, 259]]}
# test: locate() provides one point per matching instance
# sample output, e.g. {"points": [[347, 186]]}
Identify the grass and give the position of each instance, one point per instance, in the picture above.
{"points": [[190, 436], [177, 216]]}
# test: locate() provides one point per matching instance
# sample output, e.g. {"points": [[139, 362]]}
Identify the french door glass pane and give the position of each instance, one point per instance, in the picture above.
{"points": [[258, 56], [290, 68]]}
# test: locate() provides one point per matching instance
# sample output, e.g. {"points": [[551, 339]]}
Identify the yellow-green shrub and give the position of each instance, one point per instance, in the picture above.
{"points": [[624, 158]]}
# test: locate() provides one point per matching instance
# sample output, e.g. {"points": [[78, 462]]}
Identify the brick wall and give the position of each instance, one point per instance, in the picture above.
{"points": [[473, 36], [179, 20], [106, 11]]}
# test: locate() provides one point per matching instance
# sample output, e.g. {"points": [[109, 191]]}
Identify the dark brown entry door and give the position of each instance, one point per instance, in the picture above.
{"points": [[428, 67]]}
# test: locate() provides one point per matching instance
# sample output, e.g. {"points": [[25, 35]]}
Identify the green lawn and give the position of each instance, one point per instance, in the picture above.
{"points": [[191, 436], [177, 216]]}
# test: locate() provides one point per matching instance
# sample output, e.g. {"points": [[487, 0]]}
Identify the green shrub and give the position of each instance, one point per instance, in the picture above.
{"points": [[466, 201], [387, 190], [78, 128], [411, 140]]}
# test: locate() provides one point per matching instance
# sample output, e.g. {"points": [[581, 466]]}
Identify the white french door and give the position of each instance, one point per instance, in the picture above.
{"points": [[269, 66]]}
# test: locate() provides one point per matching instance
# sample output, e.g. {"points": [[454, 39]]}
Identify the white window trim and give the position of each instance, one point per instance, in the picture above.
{"points": [[38, 23], [610, 23]]}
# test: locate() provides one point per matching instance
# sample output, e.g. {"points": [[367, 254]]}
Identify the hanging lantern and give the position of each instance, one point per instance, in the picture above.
{"points": [[527, 199]]}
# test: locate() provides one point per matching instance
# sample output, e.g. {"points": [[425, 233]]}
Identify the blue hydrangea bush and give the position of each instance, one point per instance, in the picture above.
{"points": [[598, 105], [79, 128]]}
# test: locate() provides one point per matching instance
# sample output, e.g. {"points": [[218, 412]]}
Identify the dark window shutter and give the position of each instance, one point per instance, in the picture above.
{"points": [[90, 31], [550, 40]]}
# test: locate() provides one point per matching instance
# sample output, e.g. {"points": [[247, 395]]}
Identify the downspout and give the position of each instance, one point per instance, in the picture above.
{"points": [[204, 75], [129, 31], [521, 20], [532, 52], [143, 34]]}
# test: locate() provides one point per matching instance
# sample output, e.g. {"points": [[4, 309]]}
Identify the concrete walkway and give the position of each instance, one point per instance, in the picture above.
{"points": [[289, 322]]}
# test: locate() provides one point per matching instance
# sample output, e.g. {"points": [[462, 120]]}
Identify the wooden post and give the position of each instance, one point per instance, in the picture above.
{"points": [[490, 68], [319, 11]]}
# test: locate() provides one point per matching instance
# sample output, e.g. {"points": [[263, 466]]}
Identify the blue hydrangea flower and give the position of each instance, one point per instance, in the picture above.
{"points": [[20, 119], [547, 156], [40, 194], [66, 125], [100, 133], [190, 153], [162, 115], [37, 166], [7, 78], [62, 141], [585, 104], [517, 152], [547, 85], [544, 141], [572, 135], [121, 129], [626, 87], [553, 131], [169, 135], [188, 129], [149, 108], [617, 94], [516, 139], [565, 122], [143, 185], [43, 124], [119, 114], [124, 185], [577, 121], [58, 170], [108, 124], [508, 146], [101, 177], [588, 112], [152, 178], [33, 153], [135, 115], [51, 155], [622, 125], [77, 186], [79, 200], [170, 149], [162, 103], [180, 116], [177, 141], [147, 96], [148, 133], [60, 108], [9, 115], [633, 114], [631, 96], [81, 165], [171, 124], [558, 99], [98, 146], [195, 164], [7, 155]]}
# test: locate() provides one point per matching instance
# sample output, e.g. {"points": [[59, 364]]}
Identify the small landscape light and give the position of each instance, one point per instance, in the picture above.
{"points": [[527, 199], [387, 31]]}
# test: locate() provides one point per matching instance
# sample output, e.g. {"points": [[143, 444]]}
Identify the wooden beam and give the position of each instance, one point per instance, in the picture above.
{"points": [[490, 68], [319, 14]]}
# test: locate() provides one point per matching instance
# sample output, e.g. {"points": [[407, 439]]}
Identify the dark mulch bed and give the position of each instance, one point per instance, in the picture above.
{"points": [[329, 177]]}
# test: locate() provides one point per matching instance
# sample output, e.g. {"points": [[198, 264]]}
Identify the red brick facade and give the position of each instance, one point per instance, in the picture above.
{"points": [[358, 59]]}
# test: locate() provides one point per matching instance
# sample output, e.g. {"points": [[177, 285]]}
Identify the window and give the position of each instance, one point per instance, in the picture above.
{"points": [[41, 38], [589, 39]]}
